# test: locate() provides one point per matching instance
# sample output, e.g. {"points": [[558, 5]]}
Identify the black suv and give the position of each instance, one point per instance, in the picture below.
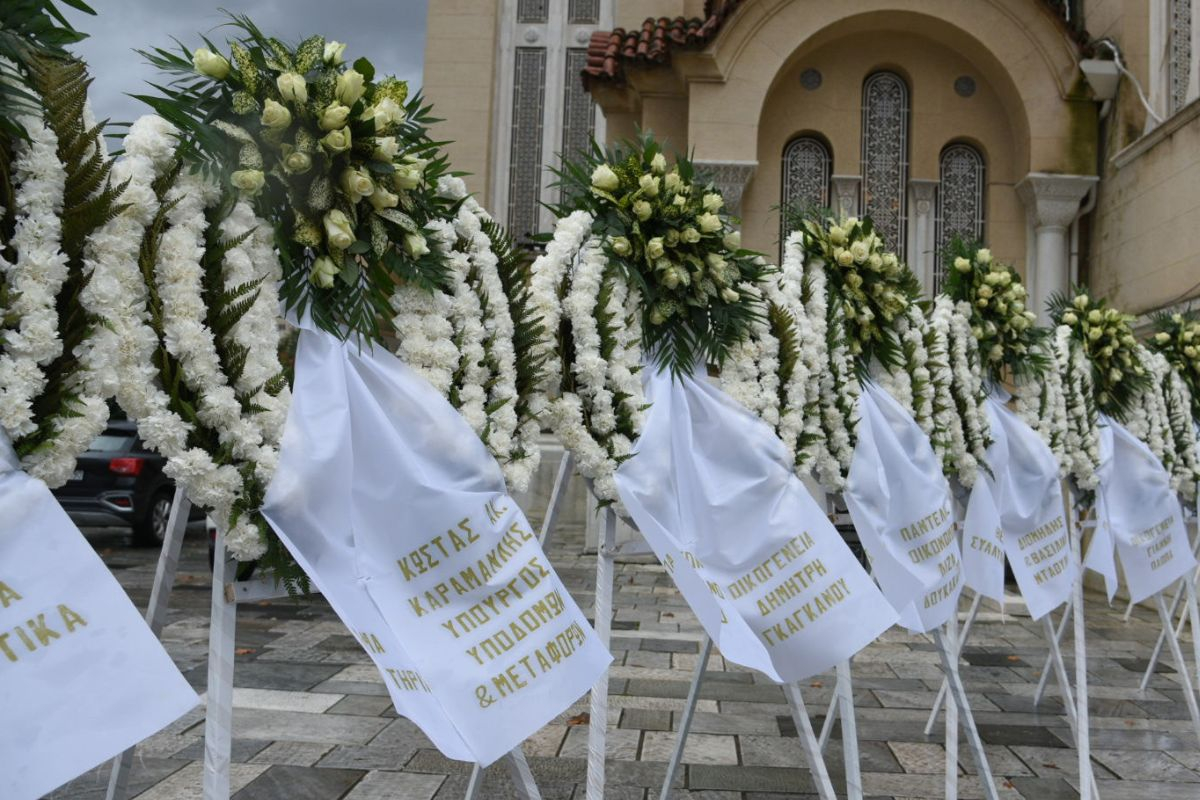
{"points": [[119, 482]]}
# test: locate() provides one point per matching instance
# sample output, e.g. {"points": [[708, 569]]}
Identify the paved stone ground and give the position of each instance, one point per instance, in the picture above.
{"points": [[312, 720]]}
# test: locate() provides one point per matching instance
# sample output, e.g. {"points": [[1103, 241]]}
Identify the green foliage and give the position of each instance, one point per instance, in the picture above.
{"points": [[29, 29], [341, 162], [1106, 336], [1178, 338], [1008, 338], [668, 235]]}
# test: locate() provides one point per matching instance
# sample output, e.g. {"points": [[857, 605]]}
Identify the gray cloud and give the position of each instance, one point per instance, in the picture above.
{"points": [[391, 33]]}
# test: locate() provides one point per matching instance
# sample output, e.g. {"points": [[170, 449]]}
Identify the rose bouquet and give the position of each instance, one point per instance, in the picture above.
{"points": [[999, 320], [337, 158], [669, 234], [1106, 337], [1177, 338], [643, 266]]}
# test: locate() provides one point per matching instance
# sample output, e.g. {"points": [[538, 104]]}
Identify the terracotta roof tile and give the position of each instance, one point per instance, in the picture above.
{"points": [[610, 52]]}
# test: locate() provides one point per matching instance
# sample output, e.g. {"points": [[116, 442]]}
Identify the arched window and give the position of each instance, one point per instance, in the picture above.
{"points": [[960, 201], [806, 167], [885, 156]]}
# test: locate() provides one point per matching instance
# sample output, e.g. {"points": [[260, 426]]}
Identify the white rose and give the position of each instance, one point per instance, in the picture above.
{"points": [[680, 201], [338, 230], [323, 272], [837, 235], [643, 210], [985, 291], [248, 180], [1190, 351], [673, 182], [709, 223], [983, 256], [658, 164], [649, 185], [733, 240], [386, 113], [843, 257], [275, 115], [333, 52], [386, 148], [382, 198], [297, 163], [211, 64], [875, 262], [621, 246], [415, 245], [356, 184], [292, 87], [654, 247], [337, 141], [1094, 316], [349, 87], [859, 251], [715, 261], [406, 177], [729, 295], [1069, 318], [962, 265], [690, 235], [712, 202], [1081, 301], [334, 117], [1162, 337], [604, 178]]}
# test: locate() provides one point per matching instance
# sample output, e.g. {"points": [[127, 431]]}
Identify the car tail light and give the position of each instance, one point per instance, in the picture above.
{"points": [[122, 502], [126, 466]]}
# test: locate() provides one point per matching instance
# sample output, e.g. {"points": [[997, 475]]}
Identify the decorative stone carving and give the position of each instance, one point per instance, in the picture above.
{"points": [[1052, 202], [845, 194], [731, 177]]}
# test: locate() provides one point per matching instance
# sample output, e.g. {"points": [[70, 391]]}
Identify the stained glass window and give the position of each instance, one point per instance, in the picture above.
{"points": [[885, 156], [960, 202], [584, 12], [525, 173], [532, 10], [1181, 51], [805, 184], [579, 110]]}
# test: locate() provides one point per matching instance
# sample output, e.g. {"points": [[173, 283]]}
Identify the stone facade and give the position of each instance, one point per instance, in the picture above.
{"points": [[737, 81]]}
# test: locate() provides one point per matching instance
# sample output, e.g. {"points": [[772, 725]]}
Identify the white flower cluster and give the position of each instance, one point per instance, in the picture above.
{"points": [[118, 294], [34, 279], [837, 385], [800, 417], [1150, 421], [912, 385], [751, 373], [462, 341], [1081, 444], [607, 388], [1042, 405], [961, 412], [1181, 430]]}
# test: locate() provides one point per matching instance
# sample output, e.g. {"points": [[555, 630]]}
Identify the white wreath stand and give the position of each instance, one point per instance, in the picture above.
{"points": [[218, 723], [606, 553]]}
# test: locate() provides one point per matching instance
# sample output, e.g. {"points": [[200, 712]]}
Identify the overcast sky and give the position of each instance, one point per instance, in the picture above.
{"points": [[391, 33]]}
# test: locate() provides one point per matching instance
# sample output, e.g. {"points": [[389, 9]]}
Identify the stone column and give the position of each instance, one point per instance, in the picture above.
{"points": [[845, 195], [922, 248], [1052, 203], [731, 177]]}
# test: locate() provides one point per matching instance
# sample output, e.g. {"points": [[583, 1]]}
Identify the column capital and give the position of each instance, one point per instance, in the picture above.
{"points": [[924, 192], [845, 194], [1052, 200], [731, 177]]}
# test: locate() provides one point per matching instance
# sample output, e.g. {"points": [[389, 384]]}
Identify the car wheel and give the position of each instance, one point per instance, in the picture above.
{"points": [[152, 528]]}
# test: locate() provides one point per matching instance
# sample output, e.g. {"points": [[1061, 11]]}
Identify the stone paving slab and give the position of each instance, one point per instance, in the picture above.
{"points": [[313, 721]]}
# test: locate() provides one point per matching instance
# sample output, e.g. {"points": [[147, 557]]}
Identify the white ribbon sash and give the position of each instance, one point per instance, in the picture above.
{"points": [[82, 678], [983, 540], [1143, 516], [1029, 497], [712, 489], [394, 507], [901, 506]]}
